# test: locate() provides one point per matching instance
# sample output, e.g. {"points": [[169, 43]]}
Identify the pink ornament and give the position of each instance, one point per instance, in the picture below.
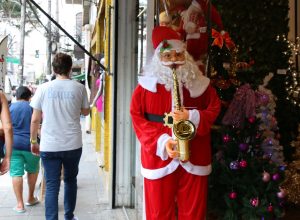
{"points": [[251, 119], [243, 164], [266, 176], [281, 194], [254, 202], [270, 208], [275, 177], [226, 138], [232, 195]]}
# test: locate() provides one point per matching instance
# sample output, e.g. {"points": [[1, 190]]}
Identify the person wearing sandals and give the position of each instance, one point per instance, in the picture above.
{"points": [[22, 159]]}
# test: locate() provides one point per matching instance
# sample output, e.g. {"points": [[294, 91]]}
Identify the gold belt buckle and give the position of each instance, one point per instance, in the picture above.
{"points": [[168, 120]]}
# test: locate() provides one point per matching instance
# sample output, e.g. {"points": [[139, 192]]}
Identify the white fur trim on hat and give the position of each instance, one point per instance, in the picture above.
{"points": [[197, 5], [177, 45]]}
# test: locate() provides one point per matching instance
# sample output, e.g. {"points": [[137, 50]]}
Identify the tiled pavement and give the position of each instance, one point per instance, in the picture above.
{"points": [[92, 198]]}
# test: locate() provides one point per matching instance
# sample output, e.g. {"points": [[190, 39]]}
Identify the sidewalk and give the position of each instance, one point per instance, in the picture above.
{"points": [[92, 198]]}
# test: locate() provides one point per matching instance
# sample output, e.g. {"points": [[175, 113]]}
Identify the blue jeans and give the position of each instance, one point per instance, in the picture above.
{"points": [[53, 162]]}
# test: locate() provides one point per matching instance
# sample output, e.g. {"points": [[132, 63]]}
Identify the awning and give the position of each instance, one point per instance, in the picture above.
{"points": [[79, 77]]}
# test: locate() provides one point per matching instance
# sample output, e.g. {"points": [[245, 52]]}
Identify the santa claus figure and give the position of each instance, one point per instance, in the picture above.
{"points": [[168, 181], [194, 24]]}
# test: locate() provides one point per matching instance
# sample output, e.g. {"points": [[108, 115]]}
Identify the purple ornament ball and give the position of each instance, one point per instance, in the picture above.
{"points": [[234, 165], [264, 99], [243, 147], [275, 177]]}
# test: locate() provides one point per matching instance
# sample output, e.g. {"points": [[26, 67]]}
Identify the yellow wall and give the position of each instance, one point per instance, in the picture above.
{"points": [[103, 128], [108, 92]]}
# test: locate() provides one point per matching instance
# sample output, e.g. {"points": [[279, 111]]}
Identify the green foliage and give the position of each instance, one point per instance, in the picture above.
{"points": [[254, 26], [247, 182], [10, 9]]}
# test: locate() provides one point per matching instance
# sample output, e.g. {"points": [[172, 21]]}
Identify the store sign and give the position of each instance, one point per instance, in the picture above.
{"points": [[13, 60]]}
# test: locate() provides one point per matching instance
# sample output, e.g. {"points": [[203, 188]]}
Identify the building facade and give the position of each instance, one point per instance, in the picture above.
{"points": [[119, 34]]}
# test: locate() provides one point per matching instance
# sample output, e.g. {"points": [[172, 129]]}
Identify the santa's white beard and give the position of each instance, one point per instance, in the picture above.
{"points": [[186, 73], [188, 25]]}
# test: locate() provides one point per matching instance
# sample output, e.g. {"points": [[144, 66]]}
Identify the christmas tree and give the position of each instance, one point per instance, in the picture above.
{"points": [[253, 130], [245, 183], [247, 166], [256, 37], [268, 123]]}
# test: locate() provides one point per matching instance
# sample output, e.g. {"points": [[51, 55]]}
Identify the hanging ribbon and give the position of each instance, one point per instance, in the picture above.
{"points": [[241, 107]]}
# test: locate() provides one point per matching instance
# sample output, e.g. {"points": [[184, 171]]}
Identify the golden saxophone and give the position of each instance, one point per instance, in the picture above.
{"points": [[184, 130]]}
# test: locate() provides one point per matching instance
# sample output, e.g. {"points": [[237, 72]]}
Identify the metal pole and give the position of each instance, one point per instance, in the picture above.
{"points": [[157, 7], [22, 40], [57, 29], [49, 36], [208, 64], [66, 33], [142, 42], [297, 16]]}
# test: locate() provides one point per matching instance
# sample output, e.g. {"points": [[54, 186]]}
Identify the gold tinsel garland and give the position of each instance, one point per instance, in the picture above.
{"points": [[292, 174]]}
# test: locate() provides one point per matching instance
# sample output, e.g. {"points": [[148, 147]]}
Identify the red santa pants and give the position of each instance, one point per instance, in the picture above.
{"points": [[186, 191]]}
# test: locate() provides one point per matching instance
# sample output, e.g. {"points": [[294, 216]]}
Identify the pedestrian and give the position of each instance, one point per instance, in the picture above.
{"points": [[6, 134], [22, 158], [171, 182], [61, 102]]}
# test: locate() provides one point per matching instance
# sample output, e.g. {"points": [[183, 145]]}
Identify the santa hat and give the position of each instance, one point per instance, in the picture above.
{"points": [[166, 39]]}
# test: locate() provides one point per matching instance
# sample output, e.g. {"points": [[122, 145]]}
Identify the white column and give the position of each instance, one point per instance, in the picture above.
{"points": [[126, 81], [87, 36]]}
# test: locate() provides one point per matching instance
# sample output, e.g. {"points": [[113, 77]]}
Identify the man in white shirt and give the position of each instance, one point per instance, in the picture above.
{"points": [[60, 103]]}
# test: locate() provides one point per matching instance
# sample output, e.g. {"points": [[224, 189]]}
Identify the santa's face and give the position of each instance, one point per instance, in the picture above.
{"points": [[165, 23], [172, 57]]}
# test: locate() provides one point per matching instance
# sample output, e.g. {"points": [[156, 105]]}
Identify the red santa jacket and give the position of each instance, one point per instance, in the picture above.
{"points": [[197, 43], [206, 104]]}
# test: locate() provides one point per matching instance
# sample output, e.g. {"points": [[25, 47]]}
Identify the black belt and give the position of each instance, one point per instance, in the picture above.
{"points": [[158, 118]]}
